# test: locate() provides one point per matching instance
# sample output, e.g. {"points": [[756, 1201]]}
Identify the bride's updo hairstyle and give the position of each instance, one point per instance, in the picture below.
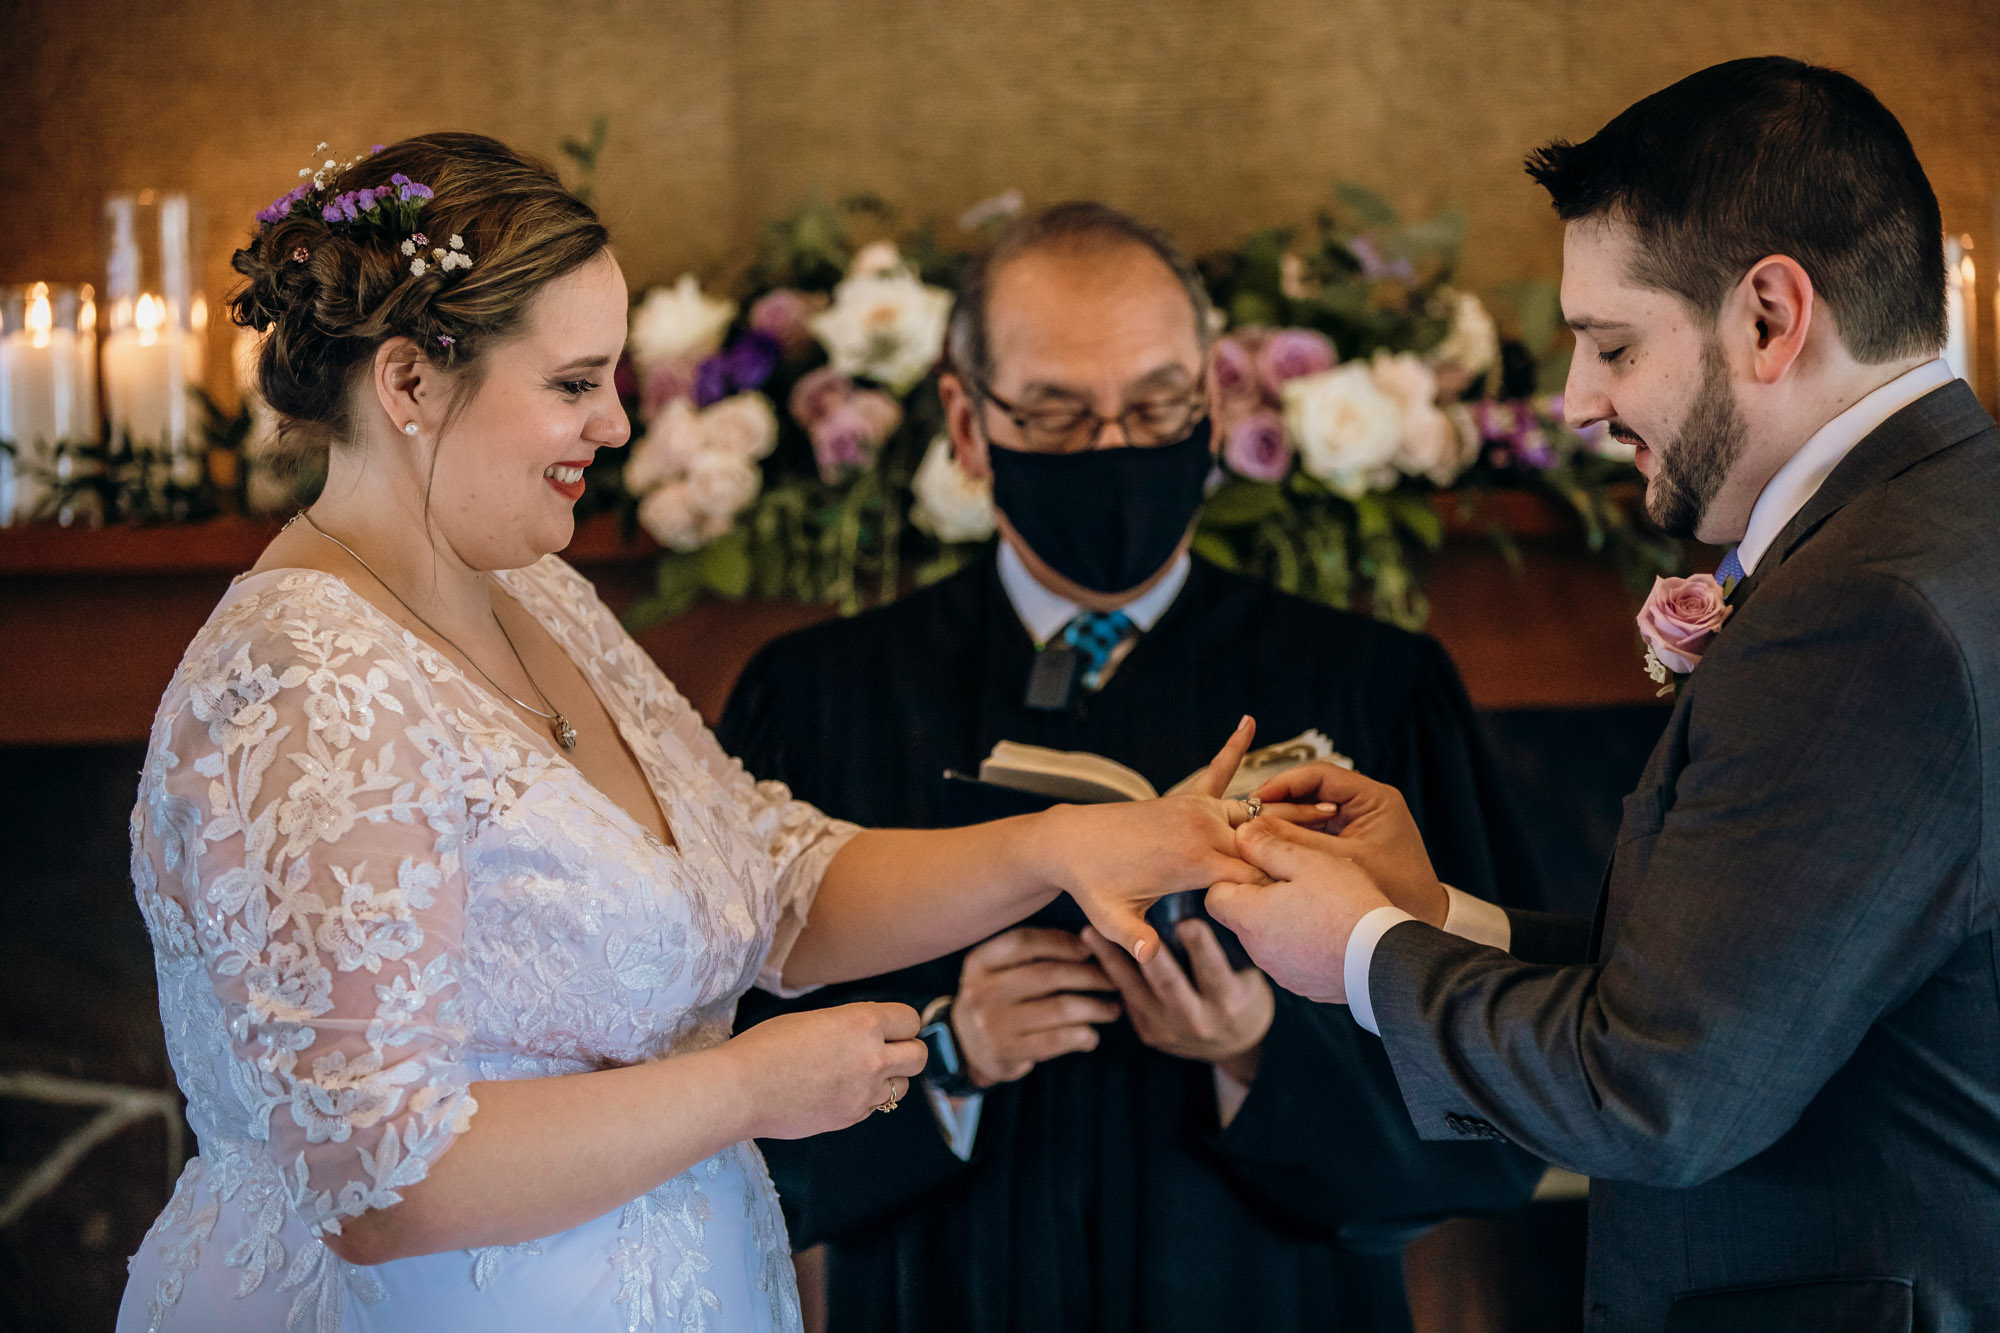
{"points": [[444, 239]]}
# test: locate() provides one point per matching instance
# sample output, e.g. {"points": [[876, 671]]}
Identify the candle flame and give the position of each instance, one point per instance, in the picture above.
{"points": [[86, 311], [198, 313], [148, 318], [40, 319]]}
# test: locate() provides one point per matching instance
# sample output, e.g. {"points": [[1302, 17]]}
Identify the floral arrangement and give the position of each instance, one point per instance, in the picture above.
{"points": [[792, 440]]}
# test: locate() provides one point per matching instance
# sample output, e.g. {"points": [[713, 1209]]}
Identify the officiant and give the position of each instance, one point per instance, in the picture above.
{"points": [[1102, 1146]]}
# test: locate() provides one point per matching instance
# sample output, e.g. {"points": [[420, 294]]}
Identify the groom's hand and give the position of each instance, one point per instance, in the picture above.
{"points": [[1369, 823], [1296, 927]]}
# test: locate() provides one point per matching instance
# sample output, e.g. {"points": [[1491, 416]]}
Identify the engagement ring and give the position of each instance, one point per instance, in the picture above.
{"points": [[891, 1104], [1252, 805]]}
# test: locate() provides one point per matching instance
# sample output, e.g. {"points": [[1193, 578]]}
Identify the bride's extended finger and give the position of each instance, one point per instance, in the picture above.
{"points": [[1216, 777]]}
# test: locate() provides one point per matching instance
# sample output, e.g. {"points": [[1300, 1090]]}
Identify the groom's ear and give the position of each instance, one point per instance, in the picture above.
{"points": [[1777, 307], [961, 418]]}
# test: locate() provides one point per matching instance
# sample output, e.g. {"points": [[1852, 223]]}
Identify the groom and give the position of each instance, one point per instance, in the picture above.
{"points": [[1777, 1048]]}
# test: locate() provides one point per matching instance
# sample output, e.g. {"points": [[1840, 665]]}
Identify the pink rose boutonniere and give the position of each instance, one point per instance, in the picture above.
{"points": [[1678, 620]]}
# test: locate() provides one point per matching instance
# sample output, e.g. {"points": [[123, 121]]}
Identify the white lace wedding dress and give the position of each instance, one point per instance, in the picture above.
{"points": [[369, 886]]}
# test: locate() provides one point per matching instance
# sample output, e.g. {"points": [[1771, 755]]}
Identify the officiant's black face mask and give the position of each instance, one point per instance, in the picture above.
{"points": [[1105, 519]]}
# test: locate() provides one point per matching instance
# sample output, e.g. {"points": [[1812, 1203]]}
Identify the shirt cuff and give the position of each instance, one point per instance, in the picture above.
{"points": [[1477, 920], [1368, 933], [1229, 1097], [957, 1118]]}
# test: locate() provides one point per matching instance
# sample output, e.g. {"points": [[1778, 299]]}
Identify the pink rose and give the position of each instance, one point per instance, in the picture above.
{"points": [[1680, 617], [1234, 369], [842, 439], [785, 316], [818, 394], [665, 382], [1289, 353], [881, 413], [1255, 447]]}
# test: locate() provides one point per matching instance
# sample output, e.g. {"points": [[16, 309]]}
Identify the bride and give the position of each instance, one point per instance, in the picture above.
{"points": [[451, 894]]}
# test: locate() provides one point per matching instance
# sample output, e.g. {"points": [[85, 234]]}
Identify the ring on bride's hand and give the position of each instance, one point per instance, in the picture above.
{"points": [[1253, 806], [892, 1103]]}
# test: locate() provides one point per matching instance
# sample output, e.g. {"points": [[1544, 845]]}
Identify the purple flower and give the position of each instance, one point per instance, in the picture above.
{"points": [[841, 440], [784, 315], [711, 381], [331, 212], [752, 360], [399, 179], [817, 394], [376, 149], [412, 190], [1289, 354], [1255, 447], [366, 199], [1235, 368], [1374, 267], [420, 239]]}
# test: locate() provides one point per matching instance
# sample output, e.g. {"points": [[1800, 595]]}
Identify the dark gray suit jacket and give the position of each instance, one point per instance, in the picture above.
{"points": [[1777, 1050]]}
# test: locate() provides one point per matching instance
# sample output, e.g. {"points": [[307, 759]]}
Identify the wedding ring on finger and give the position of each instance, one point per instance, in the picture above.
{"points": [[1253, 806], [893, 1102]]}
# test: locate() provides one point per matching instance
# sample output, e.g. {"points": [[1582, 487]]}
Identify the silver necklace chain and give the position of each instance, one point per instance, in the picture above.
{"points": [[564, 732]]}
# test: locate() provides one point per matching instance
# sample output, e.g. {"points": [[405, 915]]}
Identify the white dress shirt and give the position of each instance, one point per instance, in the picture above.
{"points": [[1043, 614], [1788, 491]]}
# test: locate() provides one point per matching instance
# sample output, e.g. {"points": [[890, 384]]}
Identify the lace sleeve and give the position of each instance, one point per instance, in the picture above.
{"points": [[799, 839], [323, 808]]}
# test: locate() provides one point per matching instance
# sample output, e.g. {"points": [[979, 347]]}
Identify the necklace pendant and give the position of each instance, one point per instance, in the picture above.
{"points": [[565, 733]]}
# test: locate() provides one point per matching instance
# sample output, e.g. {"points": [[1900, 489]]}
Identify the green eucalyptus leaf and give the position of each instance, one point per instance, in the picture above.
{"points": [[1215, 548], [725, 565], [1240, 502]]}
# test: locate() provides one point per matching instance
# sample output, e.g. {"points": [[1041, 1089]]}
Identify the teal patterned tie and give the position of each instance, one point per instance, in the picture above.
{"points": [[1095, 635]]}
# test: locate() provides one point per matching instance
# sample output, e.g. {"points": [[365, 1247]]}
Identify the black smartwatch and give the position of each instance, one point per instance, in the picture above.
{"points": [[946, 1069]]}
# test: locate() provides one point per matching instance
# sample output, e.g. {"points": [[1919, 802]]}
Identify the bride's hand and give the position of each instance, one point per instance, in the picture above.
{"points": [[824, 1069], [1117, 860]]}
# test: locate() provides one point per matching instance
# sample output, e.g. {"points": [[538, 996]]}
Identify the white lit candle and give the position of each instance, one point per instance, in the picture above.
{"points": [[145, 378], [1961, 306]]}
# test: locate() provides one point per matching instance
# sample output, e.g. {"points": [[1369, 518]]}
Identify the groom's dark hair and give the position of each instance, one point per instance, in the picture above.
{"points": [[1769, 156]]}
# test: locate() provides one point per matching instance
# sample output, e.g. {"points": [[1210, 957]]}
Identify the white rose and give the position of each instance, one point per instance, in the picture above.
{"points": [[1472, 344], [1347, 430], [875, 258], [722, 484], [742, 425], [669, 517], [951, 506], [887, 326], [679, 321], [665, 451]]}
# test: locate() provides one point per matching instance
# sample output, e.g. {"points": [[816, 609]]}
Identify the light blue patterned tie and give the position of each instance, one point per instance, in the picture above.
{"points": [[1096, 635], [1730, 572]]}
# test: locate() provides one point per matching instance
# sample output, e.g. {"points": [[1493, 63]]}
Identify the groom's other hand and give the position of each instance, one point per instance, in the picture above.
{"points": [[1368, 823], [1296, 927]]}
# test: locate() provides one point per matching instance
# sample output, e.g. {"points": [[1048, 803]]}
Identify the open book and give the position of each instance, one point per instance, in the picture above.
{"points": [[1083, 778]]}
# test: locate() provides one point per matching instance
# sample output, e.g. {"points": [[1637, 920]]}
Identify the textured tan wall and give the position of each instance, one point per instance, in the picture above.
{"points": [[1213, 116]]}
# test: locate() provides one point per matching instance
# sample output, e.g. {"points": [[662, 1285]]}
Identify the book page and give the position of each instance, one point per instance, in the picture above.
{"points": [[1064, 775]]}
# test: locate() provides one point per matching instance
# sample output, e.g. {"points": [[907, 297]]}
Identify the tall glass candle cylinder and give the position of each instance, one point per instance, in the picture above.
{"points": [[156, 329], [1961, 288], [48, 385]]}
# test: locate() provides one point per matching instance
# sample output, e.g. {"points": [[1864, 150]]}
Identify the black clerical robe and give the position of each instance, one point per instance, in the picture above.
{"points": [[1102, 1193]]}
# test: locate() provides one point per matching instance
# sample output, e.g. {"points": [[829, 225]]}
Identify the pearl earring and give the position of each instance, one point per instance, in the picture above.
{"points": [[410, 429]]}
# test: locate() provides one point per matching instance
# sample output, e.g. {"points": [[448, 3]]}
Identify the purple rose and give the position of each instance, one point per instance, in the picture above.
{"points": [[1680, 618], [1255, 447], [817, 394], [711, 381], [842, 439], [784, 315], [1291, 353], [1374, 267], [1234, 368], [752, 360]]}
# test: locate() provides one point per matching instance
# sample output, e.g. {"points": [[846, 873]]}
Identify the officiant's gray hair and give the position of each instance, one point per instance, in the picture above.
{"points": [[1072, 227]]}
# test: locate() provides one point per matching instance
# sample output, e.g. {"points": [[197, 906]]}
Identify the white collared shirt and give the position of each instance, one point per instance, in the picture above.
{"points": [[1043, 613], [1790, 489], [1795, 484]]}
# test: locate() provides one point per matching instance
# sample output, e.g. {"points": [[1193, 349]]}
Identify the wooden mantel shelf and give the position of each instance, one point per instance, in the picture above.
{"points": [[94, 620]]}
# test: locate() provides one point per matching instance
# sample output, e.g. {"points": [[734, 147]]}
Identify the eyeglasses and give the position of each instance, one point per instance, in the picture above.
{"points": [[1074, 428]]}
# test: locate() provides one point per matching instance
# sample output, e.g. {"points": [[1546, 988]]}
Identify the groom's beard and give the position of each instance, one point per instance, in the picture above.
{"points": [[1694, 465]]}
